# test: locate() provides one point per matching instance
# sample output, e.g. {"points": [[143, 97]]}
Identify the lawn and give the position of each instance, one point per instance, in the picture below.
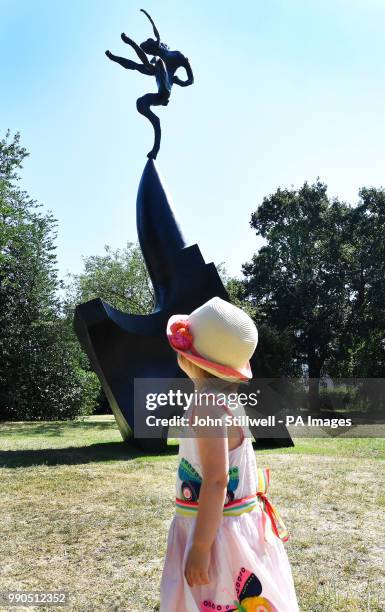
{"points": [[84, 513]]}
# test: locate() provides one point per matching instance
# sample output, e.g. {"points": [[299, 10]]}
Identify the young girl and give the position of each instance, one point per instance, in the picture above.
{"points": [[225, 544]]}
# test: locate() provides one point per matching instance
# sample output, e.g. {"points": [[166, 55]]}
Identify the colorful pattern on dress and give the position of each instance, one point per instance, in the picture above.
{"points": [[192, 480], [188, 504], [234, 508], [233, 479], [248, 588]]}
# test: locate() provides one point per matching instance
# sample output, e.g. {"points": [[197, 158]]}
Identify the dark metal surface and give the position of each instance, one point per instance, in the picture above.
{"points": [[163, 67], [121, 346]]}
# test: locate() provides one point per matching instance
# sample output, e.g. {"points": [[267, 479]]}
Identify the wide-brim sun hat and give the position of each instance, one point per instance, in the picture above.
{"points": [[217, 336]]}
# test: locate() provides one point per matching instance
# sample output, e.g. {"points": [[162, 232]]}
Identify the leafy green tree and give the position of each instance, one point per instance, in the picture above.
{"points": [[39, 376], [362, 349], [274, 349], [299, 280], [119, 278]]}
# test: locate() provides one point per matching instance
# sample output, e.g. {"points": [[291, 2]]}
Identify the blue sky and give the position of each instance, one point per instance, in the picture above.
{"points": [[285, 91]]}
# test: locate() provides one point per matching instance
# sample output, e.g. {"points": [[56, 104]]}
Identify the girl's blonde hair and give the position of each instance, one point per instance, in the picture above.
{"points": [[195, 371]]}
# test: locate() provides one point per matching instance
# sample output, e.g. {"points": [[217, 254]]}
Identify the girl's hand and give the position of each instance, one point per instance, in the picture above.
{"points": [[197, 565]]}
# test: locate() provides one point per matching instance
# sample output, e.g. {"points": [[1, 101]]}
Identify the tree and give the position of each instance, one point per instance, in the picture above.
{"points": [[274, 349], [299, 281], [39, 376], [362, 348], [119, 278]]}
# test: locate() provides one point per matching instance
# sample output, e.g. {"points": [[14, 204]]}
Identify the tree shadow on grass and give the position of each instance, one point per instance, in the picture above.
{"points": [[76, 455], [54, 428]]}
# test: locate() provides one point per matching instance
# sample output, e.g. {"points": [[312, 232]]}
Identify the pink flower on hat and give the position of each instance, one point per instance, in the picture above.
{"points": [[181, 338]]}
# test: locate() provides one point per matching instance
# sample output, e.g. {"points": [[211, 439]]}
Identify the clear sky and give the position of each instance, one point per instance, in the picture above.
{"points": [[285, 91]]}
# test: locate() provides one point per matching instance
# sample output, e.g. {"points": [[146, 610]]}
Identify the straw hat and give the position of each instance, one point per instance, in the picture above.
{"points": [[218, 337]]}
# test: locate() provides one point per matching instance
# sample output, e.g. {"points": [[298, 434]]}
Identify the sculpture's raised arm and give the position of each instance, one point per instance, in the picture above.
{"points": [[156, 33], [190, 77]]}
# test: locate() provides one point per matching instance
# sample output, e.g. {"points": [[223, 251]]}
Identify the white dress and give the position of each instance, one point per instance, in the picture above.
{"points": [[249, 569]]}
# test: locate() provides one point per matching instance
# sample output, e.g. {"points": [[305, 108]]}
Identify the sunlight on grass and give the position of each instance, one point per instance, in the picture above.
{"points": [[85, 512]]}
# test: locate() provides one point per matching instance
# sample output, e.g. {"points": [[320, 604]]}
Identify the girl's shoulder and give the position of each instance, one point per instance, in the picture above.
{"points": [[210, 401], [207, 414]]}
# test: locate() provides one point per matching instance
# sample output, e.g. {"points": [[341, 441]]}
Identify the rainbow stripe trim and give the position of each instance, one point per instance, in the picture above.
{"points": [[234, 508], [246, 504], [263, 480]]}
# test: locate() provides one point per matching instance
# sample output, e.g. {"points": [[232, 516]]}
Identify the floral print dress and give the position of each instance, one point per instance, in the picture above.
{"points": [[249, 568]]}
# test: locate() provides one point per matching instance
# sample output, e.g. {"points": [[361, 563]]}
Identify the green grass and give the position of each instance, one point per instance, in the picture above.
{"points": [[83, 512], [358, 448]]}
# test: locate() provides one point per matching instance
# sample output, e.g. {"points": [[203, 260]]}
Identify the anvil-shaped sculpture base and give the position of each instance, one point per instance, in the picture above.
{"points": [[123, 347]]}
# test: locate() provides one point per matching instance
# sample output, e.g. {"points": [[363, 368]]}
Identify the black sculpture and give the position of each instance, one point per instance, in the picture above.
{"points": [[125, 348], [122, 347], [163, 67]]}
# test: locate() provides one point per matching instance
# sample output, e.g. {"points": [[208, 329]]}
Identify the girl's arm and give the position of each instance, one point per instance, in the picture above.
{"points": [[213, 453]]}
